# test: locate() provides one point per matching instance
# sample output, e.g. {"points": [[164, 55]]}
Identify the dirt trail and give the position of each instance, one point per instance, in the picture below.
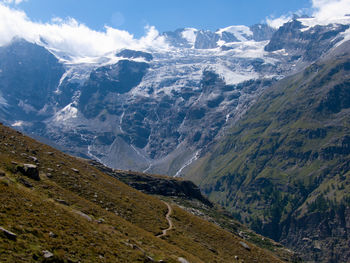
{"points": [[167, 217]]}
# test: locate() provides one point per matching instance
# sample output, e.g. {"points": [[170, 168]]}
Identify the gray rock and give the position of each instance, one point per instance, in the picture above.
{"points": [[75, 170], [52, 234], [34, 159], [182, 260], [244, 245], [8, 234], [47, 254], [29, 170], [25, 183], [100, 220], [63, 202], [83, 215], [149, 259]]}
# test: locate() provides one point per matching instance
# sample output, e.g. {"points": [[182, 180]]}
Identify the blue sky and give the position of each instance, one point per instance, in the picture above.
{"points": [[165, 15], [86, 28]]}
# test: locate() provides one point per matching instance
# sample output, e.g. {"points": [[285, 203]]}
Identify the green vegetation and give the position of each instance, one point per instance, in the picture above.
{"points": [[75, 213], [289, 157]]}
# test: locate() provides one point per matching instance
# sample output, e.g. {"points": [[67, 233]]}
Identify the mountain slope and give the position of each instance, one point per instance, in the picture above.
{"points": [[188, 196], [284, 168], [154, 110], [56, 208]]}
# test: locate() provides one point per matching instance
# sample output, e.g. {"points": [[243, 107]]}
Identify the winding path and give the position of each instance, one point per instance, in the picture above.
{"points": [[167, 217]]}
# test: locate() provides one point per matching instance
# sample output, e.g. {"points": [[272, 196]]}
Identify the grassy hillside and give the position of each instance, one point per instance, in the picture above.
{"points": [[285, 167], [188, 196], [73, 212]]}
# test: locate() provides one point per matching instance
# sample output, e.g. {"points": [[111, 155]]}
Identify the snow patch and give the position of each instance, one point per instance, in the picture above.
{"points": [[346, 37], [234, 77], [249, 49], [68, 112], [18, 124], [227, 117], [314, 21], [190, 35], [240, 32], [188, 163]]}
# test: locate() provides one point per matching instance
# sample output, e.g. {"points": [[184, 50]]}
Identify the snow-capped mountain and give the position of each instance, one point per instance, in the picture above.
{"points": [[154, 110], [205, 39]]}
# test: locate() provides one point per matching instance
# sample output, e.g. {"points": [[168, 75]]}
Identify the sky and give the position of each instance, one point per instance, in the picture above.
{"points": [[91, 28], [165, 15]]}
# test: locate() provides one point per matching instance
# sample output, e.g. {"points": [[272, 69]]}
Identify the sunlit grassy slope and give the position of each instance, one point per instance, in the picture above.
{"points": [[79, 214]]}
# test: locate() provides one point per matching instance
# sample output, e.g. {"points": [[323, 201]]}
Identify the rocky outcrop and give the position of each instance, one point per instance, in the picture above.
{"points": [[127, 53], [29, 76], [308, 44], [156, 185], [29, 170], [323, 236], [105, 81]]}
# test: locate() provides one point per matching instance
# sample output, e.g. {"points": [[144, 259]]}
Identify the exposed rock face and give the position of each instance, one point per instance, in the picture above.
{"points": [[205, 39], [262, 32], [97, 92], [28, 78], [308, 44], [156, 185], [321, 231], [127, 53], [29, 170]]}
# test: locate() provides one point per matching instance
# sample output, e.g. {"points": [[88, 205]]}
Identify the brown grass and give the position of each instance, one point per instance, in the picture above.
{"points": [[124, 222]]}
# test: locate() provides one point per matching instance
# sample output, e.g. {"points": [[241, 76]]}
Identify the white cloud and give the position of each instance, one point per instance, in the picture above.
{"points": [[323, 12], [13, 1], [71, 36], [277, 22], [330, 9]]}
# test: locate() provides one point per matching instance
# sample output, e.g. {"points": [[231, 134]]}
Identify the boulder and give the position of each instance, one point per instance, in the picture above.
{"points": [[182, 260], [29, 170], [47, 254], [244, 245], [25, 183], [8, 234]]}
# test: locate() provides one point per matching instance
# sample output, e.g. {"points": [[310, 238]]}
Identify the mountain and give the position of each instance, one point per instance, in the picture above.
{"points": [[154, 110], [57, 208], [205, 39], [29, 76], [178, 111], [284, 168]]}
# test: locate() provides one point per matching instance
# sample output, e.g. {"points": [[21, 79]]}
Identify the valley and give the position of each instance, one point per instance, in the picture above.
{"points": [[256, 117]]}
